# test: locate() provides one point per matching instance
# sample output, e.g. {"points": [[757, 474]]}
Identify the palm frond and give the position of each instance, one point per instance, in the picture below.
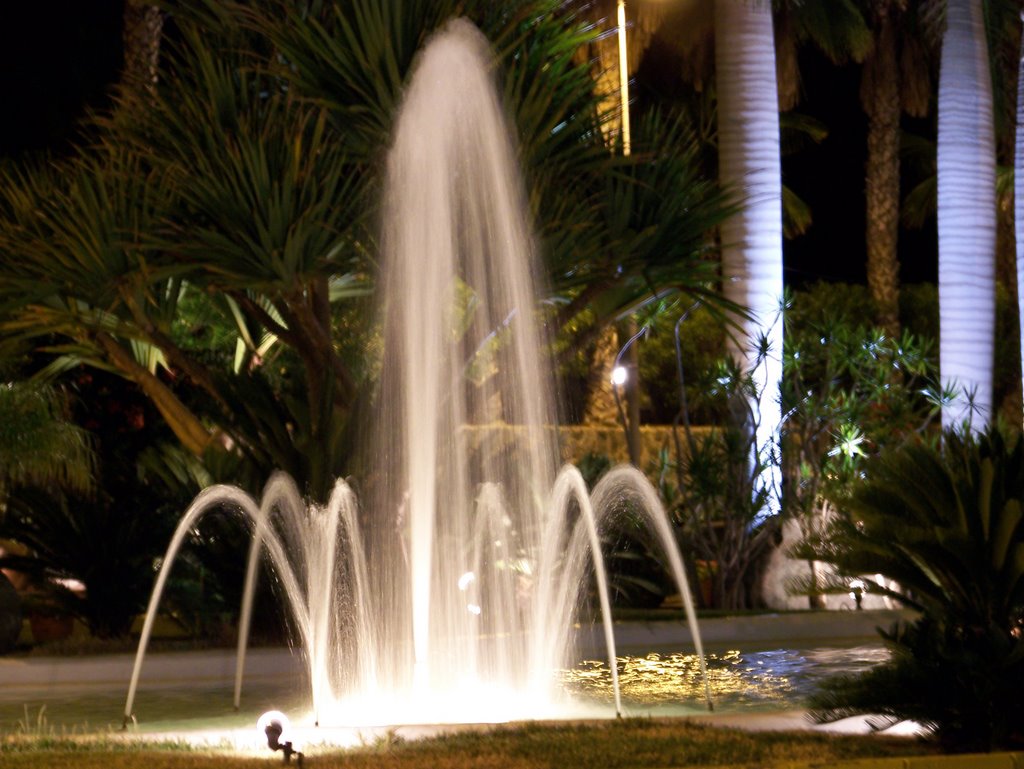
{"points": [[38, 445], [836, 27]]}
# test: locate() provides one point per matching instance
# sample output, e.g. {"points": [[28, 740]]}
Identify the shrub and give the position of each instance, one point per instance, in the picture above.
{"points": [[944, 521], [720, 488]]}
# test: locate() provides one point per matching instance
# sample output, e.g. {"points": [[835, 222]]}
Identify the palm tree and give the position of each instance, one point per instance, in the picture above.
{"points": [[1018, 194], [749, 160], [894, 79], [966, 216], [246, 184], [748, 153], [880, 97], [886, 36], [922, 22]]}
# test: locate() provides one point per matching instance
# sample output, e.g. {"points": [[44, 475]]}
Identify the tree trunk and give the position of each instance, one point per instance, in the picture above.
{"points": [[966, 217], [1018, 203], [749, 165], [143, 28], [600, 408], [880, 97], [815, 600], [1007, 395], [183, 423]]}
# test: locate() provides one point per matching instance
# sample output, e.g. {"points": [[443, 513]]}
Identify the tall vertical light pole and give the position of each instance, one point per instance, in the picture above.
{"points": [[631, 380], [623, 78], [630, 348]]}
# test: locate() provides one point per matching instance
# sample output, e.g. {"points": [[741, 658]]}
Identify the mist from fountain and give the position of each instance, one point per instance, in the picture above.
{"points": [[456, 601]]}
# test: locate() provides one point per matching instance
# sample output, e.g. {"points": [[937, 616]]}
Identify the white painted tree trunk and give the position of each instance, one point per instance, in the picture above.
{"points": [[966, 217], [749, 163]]}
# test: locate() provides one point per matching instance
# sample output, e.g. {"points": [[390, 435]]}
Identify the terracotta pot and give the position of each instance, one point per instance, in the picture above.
{"points": [[46, 628]]}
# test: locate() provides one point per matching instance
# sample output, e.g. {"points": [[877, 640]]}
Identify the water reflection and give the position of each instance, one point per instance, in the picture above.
{"points": [[764, 679]]}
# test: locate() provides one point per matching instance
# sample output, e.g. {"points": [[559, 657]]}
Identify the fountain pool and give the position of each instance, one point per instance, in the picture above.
{"points": [[191, 692]]}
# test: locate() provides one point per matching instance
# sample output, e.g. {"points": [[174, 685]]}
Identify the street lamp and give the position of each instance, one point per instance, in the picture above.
{"points": [[619, 372], [624, 75], [620, 376]]}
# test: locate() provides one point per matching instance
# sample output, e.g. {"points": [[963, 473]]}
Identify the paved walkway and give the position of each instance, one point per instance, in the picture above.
{"points": [[967, 761]]}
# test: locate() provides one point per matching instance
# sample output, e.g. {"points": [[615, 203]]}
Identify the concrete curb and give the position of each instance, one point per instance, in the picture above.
{"points": [[113, 671], [791, 629], [964, 761]]}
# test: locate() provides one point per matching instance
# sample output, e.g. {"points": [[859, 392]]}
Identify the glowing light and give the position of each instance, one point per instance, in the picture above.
{"points": [[857, 587], [466, 580], [623, 76], [848, 442], [474, 609], [74, 585], [274, 724], [619, 376]]}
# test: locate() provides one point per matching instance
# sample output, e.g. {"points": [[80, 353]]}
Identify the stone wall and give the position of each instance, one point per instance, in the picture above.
{"points": [[576, 441]]}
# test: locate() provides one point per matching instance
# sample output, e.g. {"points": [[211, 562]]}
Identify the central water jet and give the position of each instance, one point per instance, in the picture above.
{"points": [[462, 349]]}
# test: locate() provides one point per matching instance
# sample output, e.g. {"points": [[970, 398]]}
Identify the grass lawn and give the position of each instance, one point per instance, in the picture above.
{"points": [[634, 743]]}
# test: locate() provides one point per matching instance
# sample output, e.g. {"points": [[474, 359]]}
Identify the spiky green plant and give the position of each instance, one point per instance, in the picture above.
{"points": [[39, 446], [944, 521]]}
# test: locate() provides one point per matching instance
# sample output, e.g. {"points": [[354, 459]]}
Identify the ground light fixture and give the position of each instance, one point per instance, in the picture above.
{"points": [[857, 590], [275, 725]]}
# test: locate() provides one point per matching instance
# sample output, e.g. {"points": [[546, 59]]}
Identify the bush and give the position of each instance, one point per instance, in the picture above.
{"points": [[701, 341], [109, 546], [716, 489], [945, 521], [964, 685]]}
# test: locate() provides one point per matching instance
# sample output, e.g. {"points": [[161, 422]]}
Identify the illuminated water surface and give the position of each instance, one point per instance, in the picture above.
{"points": [[656, 683]]}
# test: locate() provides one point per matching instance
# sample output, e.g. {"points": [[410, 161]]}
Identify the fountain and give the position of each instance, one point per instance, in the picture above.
{"points": [[457, 603]]}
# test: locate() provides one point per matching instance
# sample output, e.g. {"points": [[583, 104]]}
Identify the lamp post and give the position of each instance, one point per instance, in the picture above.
{"points": [[629, 376], [626, 376], [623, 78]]}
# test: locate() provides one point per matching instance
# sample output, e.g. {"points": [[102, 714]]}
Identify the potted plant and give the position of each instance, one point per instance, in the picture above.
{"points": [[47, 618]]}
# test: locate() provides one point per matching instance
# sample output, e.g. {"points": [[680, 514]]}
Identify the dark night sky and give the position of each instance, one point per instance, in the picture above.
{"points": [[830, 177], [58, 56], [55, 57]]}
